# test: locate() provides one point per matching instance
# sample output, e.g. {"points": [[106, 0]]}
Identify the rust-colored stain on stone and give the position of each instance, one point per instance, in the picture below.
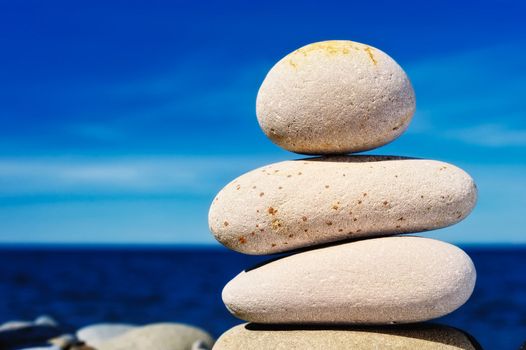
{"points": [[276, 224], [370, 53]]}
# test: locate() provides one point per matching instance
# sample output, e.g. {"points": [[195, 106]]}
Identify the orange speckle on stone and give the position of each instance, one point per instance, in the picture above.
{"points": [[370, 53], [272, 211], [359, 202], [365, 194], [304, 218], [242, 240], [358, 230], [340, 230], [329, 223], [291, 235], [355, 219], [335, 207], [305, 230], [273, 245], [385, 202], [253, 233], [276, 224], [262, 194], [225, 223]]}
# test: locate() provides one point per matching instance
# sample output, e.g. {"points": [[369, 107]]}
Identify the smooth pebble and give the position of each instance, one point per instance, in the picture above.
{"points": [[162, 336], [423, 337], [335, 97], [98, 333], [375, 281], [294, 204]]}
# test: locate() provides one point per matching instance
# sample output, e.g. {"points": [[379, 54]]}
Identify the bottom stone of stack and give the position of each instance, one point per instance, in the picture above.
{"points": [[418, 336]]}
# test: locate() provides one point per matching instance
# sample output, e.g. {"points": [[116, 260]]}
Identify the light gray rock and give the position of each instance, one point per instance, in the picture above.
{"points": [[162, 336], [422, 337], [46, 320], [294, 204], [10, 325], [335, 97], [96, 334], [375, 281]]}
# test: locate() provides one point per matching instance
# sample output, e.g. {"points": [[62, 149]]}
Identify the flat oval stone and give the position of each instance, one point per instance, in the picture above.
{"points": [[96, 334], [301, 203], [423, 337], [161, 336], [375, 281], [335, 97]]}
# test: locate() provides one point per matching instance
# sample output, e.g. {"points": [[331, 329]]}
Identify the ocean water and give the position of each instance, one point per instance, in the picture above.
{"points": [[84, 285]]}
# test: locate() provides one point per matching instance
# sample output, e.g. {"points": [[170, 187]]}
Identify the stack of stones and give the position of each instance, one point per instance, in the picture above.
{"points": [[352, 274]]}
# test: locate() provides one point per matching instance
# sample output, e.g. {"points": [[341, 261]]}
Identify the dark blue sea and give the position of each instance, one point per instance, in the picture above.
{"points": [[84, 285]]}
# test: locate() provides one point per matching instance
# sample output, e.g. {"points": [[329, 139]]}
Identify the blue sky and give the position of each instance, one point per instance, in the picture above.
{"points": [[122, 119]]}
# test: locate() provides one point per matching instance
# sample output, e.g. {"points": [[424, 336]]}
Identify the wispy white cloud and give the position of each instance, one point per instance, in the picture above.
{"points": [[490, 135], [475, 97], [121, 175]]}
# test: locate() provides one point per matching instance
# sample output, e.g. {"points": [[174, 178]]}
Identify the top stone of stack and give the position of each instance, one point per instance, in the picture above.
{"points": [[335, 97]]}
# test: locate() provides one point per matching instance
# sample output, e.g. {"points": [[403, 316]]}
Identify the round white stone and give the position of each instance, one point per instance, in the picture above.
{"points": [[96, 334], [335, 97], [376, 281], [301, 203], [161, 336]]}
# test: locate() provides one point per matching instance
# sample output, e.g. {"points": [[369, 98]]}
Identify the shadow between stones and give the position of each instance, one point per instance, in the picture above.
{"points": [[360, 158]]}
